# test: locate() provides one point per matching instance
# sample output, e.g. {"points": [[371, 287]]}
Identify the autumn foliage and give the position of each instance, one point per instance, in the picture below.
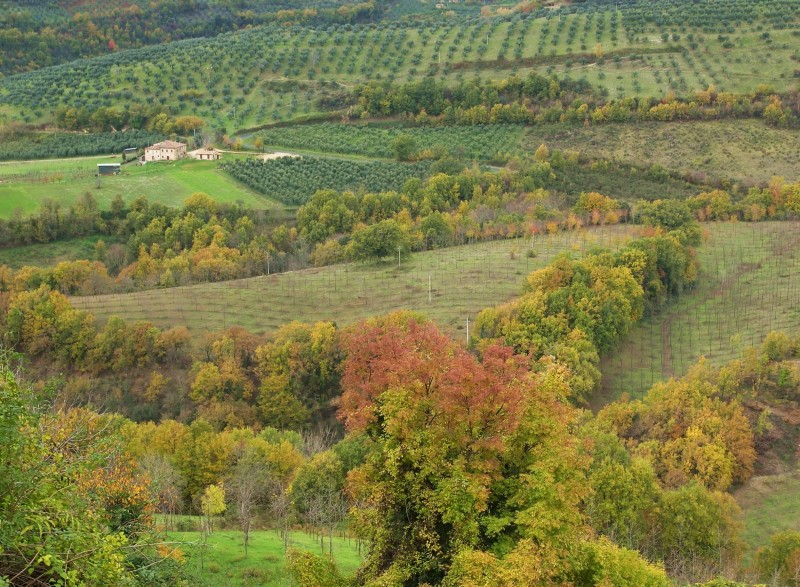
{"points": [[472, 456]]}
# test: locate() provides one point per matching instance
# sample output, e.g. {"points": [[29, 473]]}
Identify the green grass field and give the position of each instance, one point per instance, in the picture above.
{"points": [[77, 165], [736, 149], [463, 281], [45, 255], [65, 180], [749, 285], [224, 562]]}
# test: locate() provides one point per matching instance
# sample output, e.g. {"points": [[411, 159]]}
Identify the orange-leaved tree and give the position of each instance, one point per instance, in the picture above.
{"points": [[470, 454]]}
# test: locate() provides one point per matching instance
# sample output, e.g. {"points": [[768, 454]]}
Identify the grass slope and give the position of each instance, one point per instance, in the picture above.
{"points": [[45, 255], [741, 149], [771, 504], [24, 185], [749, 285], [463, 280], [224, 563]]}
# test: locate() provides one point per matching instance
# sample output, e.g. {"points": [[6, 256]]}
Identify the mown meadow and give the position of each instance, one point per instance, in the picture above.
{"points": [[25, 185]]}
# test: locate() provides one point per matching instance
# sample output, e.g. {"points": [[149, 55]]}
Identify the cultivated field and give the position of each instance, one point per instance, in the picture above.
{"points": [[293, 180], [274, 73], [472, 142], [24, 185], [463, 281], [749, 285], [724, 149]]}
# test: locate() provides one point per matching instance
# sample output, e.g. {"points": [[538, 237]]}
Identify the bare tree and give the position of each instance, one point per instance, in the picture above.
{"points": [[246, 488], [166, 485], [319, 440], [335, 511], [281, 506], [324, 511]]}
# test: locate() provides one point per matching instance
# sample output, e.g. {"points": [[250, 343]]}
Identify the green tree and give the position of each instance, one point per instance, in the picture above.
{"points": [[436, 231], [212, 503], [667, 214], [699, 531], [778, 563], [379, 241], [53, 528], [404, 147]]}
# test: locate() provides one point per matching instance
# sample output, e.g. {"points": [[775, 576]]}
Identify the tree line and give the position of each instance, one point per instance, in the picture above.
{"points": [[538, 99], [151, 245], [153, 118]]}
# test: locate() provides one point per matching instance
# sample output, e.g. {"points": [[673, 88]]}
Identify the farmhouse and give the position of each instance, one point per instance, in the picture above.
{"points": [[165, 151], [108, 168], [205, 154]]}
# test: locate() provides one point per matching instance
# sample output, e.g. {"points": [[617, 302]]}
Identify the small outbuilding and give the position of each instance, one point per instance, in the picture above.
{"points": [[108, 168], [205, 154]]}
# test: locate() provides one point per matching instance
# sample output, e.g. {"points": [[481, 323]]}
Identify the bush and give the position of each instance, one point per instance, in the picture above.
{"points": [[310, 570]]}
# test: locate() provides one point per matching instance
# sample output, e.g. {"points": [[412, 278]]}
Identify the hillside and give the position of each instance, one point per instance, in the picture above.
{"points": [[48, 32], [463, 281], [749, 285], [273, 73], [740, 263], [739, 150], [469, 293]]}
